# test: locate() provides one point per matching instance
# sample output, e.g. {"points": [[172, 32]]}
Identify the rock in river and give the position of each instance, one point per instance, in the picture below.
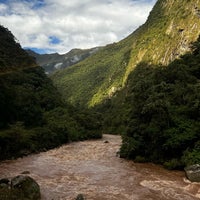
{"points": [[20, 188], [193, 173]]}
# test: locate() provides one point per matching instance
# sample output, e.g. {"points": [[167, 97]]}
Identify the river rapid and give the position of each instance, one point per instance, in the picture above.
{"points": [[93, 169]]}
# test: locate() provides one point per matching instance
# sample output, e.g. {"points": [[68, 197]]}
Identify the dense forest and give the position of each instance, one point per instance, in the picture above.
{"points": [[33, 116], [158, 113]]}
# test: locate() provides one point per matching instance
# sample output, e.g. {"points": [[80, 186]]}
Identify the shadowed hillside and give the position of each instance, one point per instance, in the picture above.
{"points": [[33, 116]]}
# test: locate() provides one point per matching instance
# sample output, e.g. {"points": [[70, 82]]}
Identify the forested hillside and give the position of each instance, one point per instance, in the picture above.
{"points": [[91, 81], [158, 112], [33, 116]]}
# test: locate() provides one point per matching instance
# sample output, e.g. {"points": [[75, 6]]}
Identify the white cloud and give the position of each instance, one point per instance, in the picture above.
{"points": [[77, 24]]}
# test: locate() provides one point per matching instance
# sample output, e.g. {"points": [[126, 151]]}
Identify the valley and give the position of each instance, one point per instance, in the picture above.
{"points": [[144, 90]]}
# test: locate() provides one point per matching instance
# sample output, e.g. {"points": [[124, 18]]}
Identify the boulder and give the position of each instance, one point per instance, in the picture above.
{"points": [[193, 173], [20, 188], [26, 186]]}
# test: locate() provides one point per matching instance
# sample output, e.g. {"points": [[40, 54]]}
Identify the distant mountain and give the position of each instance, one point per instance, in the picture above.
{"points": [[55, 61], [168, 33]]}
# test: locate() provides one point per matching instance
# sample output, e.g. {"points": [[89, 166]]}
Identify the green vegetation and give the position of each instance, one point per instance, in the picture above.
{"points": [[163, 120], [33, 116], [166, 35]]}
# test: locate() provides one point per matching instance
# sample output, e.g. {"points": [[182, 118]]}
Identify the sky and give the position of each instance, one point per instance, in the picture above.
{"points": [[48, 26]]}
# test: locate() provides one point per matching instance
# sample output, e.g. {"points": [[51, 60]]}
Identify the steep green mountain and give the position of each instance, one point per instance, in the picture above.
{"points": [[158, 112], [171, 27], [33, 116], [167, 34], [55, 61]]}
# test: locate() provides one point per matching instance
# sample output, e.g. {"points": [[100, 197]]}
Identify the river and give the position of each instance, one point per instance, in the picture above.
{"points": [[93, 169]]}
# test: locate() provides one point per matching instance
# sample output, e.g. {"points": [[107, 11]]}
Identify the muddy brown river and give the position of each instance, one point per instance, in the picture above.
{"points": [[93, 169]]}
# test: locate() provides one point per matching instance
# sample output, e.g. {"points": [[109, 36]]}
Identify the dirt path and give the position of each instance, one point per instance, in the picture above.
{"points": [[93, 169]]}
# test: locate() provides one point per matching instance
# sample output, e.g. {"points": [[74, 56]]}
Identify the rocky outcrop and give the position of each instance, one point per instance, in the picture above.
{"points": [[193, 173], [20, 188]]}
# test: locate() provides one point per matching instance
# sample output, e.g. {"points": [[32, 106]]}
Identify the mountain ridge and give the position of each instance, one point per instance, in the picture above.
{"points": [[165, 36], [179, 24]]}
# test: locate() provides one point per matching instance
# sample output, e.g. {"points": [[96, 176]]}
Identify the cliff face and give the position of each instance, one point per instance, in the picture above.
{"points": [[168, 33]]}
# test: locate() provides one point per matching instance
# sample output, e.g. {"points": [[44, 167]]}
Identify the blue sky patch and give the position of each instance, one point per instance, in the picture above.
{"points": [[39, 4], [3, 1], [36, 4], [39, 51], [54, 40]]}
